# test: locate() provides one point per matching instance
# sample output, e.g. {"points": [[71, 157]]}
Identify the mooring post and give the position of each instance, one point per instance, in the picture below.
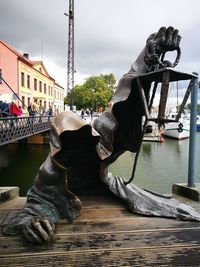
{"points": [[192, 141]]}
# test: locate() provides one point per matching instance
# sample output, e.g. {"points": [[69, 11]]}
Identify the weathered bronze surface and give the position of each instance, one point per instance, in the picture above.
{"points": [[80, 154]]}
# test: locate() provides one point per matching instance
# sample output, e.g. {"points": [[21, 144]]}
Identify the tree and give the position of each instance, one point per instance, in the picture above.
{"points": [[94, 93]]}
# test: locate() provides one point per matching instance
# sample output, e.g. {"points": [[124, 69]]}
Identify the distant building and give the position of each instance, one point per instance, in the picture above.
{"points": [[58, 104], [28, 79]]}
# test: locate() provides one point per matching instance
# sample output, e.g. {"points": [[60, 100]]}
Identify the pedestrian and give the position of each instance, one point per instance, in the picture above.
{"points": [[50, 111], [91, 112], [13, 109], [20, 111], [82, 114], [4, 109], [35, 109]]}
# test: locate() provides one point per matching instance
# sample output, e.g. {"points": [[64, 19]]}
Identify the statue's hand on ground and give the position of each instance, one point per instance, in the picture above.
{"points": [[40, 230], [166, 39]]}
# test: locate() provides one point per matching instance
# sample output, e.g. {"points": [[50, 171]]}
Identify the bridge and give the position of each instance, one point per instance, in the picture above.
{"points": [[15, 128]]}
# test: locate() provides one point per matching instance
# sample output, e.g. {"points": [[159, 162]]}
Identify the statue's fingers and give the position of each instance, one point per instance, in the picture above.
{"points": [[178, 41], [26, 235], [48, 226], [169, 36], [42, 232], [175, 37], [31, 236], [161, 35]]}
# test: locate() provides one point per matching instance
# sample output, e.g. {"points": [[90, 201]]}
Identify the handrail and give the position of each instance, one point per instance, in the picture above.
{"points": [[16, 128]]}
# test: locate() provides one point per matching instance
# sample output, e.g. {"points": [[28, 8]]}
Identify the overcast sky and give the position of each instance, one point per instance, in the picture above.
{"points": [[109, 34]]}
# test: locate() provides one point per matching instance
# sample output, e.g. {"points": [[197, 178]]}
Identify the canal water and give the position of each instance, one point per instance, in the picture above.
{"points": [[159, 164]]}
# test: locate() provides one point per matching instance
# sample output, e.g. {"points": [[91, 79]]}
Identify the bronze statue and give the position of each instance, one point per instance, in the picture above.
{"points": [[80, 155]]}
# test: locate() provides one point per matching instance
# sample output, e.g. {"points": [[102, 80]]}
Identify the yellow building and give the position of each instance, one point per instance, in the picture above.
{"points": [[58, 103], [35, 83], [29, 80]]}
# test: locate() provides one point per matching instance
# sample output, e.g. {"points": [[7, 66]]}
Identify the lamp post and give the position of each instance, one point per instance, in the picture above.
{"points": [[192, 142]]}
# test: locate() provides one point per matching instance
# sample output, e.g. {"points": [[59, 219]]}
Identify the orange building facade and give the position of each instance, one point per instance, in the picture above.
{"points": [[27, 79]]}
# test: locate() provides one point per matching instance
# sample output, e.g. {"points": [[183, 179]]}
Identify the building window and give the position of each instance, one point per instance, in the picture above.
{"points": [[45, 88], [51, 91], [40, 86], [28, 81], [29, 101], [22, 79], [23, 101], [48, 90], [35, 84], [45, 105], [40, 103]]}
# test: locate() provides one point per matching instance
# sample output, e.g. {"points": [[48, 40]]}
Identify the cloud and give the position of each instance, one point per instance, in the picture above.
{"points": [[108, 34]]}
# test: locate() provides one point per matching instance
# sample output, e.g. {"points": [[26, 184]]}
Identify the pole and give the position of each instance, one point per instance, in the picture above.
{"points": [[163, 95], [1, 78], [192, 142]]}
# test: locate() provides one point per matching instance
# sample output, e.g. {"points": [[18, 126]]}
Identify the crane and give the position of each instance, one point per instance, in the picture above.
{"points": [[70, 54]]}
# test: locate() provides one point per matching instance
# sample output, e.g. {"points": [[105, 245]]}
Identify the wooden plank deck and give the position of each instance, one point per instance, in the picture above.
{"points": [[105, 234]]}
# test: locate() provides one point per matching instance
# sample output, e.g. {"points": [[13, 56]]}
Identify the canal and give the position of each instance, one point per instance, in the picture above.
{"points": [[159, 164]]}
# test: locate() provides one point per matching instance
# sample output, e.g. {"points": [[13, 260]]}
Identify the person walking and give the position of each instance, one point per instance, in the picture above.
{"points": [[35, 109], [13, 109]]}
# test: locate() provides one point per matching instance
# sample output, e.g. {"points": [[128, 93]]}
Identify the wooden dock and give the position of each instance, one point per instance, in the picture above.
{"points": [[105, 234]]}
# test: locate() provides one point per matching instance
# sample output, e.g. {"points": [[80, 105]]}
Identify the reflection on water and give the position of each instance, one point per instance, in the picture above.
{"points": [[159, 165], [19, 164]]}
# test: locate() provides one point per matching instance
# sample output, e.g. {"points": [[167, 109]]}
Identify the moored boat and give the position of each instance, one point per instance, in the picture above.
{"points": [[177, 130], [198, 123]]}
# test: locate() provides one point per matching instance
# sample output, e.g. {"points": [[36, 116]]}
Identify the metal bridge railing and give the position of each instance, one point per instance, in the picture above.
{"points": [[16, 128]]}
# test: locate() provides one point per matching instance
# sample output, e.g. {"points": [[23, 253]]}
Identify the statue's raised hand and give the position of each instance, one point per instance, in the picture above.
{"points": [[166, 39]]}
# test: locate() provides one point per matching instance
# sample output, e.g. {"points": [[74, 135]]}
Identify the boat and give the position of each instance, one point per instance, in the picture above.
{"points": [[177, 130]]}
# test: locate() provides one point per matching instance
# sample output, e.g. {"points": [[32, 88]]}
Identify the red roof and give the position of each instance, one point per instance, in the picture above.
{"points": [[59, 85], [17, 53], [25, 59]]}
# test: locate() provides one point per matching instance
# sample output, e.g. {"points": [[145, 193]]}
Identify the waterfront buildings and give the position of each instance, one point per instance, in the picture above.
{"points": [[58, 98], [28, 80]]}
